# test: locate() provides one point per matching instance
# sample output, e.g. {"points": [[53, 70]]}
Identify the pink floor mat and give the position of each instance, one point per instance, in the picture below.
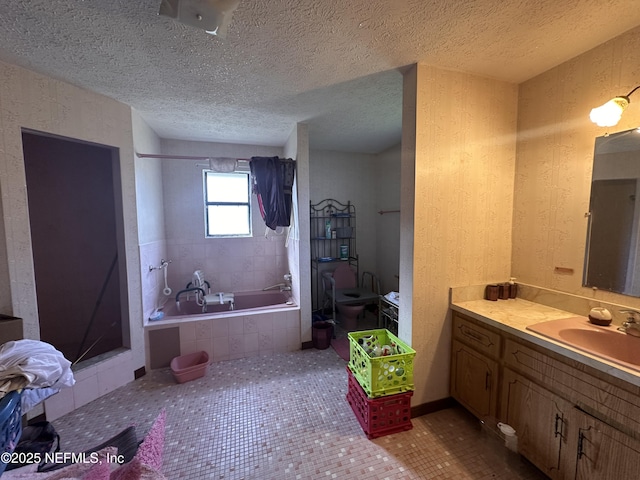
{"points": [[341, 346]]}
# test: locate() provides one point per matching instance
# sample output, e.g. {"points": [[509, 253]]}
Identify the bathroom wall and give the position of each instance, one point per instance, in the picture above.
{"points": [[230, 264], [235, 264], [150, 212], [345, 177], [32, 101], [5, 293], [387, 225], [464, 129], [555, 157], [298, 251], [408, 148]]}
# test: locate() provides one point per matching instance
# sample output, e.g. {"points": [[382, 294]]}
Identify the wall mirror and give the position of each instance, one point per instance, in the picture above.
{"points": [[612, 260]]}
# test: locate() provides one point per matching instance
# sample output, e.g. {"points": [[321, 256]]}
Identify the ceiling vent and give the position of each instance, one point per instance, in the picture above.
{"points": [[213, 16]]}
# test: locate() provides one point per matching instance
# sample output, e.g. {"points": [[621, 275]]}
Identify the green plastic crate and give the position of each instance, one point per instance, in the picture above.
{"points": [[380, 376]]}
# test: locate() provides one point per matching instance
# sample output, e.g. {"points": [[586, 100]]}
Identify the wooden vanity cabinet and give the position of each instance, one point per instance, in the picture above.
{"points": [[541, 421], [474, 368], [572, 421], [474, 381], [604, 453]]}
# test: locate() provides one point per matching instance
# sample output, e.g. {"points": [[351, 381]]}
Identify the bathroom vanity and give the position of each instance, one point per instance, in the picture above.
{"points": [[576, 415]]}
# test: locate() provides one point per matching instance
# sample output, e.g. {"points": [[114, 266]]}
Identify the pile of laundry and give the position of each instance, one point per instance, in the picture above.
{"points": [[34, 367]]}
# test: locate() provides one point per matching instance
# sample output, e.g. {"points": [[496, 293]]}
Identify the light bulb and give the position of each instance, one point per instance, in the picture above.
{"points": [[609, 114]]}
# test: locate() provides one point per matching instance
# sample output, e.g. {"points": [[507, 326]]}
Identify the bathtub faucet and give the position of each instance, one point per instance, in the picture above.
{"points": [[282, 286]]}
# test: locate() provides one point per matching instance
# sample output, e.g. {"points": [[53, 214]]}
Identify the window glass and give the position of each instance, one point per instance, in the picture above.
{"points": [[227, 203]]}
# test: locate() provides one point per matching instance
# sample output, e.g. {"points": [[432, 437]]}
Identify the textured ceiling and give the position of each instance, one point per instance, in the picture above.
{"points": [[334, 64]]}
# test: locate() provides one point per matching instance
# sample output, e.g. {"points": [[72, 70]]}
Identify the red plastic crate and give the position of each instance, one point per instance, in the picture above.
{"points": [[379, 416]]}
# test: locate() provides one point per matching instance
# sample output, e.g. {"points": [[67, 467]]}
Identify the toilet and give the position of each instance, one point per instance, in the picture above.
{"points": [[345, 278], [349, 315]]}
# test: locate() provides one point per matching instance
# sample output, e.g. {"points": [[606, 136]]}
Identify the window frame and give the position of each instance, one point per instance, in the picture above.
{"points": [[207, 203]]}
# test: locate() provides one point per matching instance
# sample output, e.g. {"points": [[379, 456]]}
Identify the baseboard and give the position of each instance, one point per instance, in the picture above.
{"points": [[39, 418], [430, 407]]}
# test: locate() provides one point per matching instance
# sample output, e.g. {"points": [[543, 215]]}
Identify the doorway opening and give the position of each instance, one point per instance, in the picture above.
{"points": [[75, 215]]}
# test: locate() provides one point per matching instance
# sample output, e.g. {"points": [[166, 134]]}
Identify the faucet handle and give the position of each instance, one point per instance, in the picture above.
{"points": [[632, 315]]}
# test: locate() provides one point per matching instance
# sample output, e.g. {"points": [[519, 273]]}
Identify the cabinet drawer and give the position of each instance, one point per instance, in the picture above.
{"points": [[482, 339], [528, 361]]}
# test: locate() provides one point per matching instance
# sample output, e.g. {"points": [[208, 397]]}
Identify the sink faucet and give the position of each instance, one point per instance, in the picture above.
{"points": [[631, 326]]}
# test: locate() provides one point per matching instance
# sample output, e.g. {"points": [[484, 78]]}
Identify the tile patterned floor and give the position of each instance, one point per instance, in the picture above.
{"points": [[285, 417]]}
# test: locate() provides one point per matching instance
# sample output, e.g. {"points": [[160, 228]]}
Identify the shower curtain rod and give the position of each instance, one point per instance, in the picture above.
{"points": [[182, 157]]}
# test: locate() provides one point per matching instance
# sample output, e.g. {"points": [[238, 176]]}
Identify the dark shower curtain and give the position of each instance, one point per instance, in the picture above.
{"points": [[273, 185]]}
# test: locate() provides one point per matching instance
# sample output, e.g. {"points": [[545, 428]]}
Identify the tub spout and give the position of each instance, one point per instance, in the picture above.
{"points": [[281, 286]]}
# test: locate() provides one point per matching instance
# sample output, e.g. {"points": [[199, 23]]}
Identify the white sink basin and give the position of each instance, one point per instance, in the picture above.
{"points": [[605, 342]]}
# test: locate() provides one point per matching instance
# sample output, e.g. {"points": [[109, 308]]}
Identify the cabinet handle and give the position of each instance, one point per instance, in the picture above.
{"points": [[580, 445], [472, 334], [487, 381], [555, 428]]}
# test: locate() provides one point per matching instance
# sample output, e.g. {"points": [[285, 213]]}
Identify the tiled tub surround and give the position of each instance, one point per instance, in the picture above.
{"points": [[238, 335], [533, 306], [93, 380]]}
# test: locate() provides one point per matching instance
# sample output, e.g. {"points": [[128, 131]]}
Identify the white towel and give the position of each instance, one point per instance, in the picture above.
{"points": [[32, 364]]}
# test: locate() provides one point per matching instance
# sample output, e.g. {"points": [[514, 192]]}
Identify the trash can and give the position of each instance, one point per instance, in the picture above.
{"points": [[190, 366], [321, 335]]}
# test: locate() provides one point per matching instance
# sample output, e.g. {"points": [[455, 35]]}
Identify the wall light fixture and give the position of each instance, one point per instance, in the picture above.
{"points": [[609, 114]]}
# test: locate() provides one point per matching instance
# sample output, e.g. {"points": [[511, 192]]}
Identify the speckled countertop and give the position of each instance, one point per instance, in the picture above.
{"points": [[514, 315]]}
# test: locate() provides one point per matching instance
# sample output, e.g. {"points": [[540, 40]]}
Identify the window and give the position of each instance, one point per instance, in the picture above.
{"points": [[227, 204]]}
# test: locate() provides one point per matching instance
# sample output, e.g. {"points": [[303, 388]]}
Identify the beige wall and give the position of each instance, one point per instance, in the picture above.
{"points": [[32, 101], [5, 292], [554, 161], [464, 169]]}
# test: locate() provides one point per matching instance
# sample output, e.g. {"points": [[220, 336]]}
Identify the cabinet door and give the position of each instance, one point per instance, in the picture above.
{"points": [[605, 453], [541, 421], [474, 380]]}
